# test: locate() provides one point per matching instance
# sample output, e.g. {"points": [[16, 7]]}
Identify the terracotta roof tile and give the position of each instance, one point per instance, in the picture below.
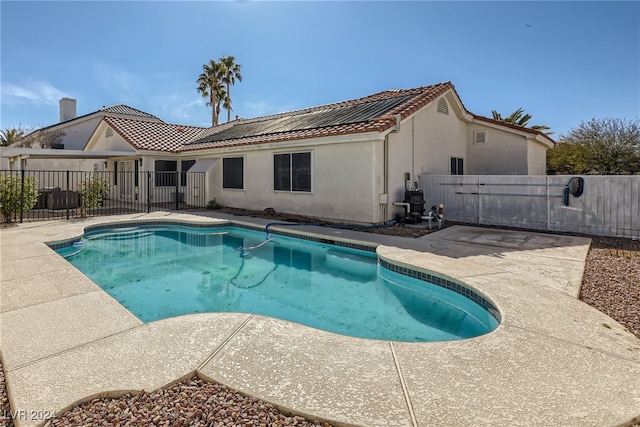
{"points": [[415, 99], [153, 135], [126, 110], [374, 113]]}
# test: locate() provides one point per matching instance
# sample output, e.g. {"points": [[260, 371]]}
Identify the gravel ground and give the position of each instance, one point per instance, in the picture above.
{"points": [[611, 284]]}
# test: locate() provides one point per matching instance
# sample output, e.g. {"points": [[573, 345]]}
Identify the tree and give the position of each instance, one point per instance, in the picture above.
{"points": [[17, 195], [209, 83], [519, 118], [600, 146], [44, 138], [231, 73], [93, 190], [214, 84], [10, 136]]}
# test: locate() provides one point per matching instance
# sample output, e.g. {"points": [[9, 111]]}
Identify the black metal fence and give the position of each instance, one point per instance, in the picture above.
{"points": [[60, 194]]}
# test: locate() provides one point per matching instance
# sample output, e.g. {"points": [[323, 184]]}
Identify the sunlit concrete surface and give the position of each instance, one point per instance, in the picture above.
{"points": [[552, 361]]}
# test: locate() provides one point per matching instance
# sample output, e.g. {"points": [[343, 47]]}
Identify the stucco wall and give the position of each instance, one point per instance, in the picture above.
{"points": [[100, 142], [342, 183], [536, 158], [77, 134], [424, 145], [503, 153]]}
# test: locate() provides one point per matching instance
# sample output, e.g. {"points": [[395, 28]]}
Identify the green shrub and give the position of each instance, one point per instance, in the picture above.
{"points": [[94, 190], [213, 205], [15, 197]]}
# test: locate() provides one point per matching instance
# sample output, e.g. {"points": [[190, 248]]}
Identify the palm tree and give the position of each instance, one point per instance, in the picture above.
{"points": [[209, 83], [231, 73], [222, 99], [520, 119], [10, 135]]}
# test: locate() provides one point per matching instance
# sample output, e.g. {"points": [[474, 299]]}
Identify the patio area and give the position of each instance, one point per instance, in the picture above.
{"points": [[553, 360]]}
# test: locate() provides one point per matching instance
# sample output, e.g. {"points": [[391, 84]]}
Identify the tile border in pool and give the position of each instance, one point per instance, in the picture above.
{"points": [[444, 283], [431, 278]]}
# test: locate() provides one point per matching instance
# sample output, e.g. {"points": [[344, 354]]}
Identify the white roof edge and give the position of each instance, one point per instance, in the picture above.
{"points": [[49, 153]]}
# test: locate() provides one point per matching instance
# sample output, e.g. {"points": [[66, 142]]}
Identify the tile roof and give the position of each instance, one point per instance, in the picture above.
{"points": [[153, 135], [374, 113], [126, 110]]}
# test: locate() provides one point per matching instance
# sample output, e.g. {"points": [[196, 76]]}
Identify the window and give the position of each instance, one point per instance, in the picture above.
{"points": [[292, 172], [166, 173], [457, 166], [233, 172], [479, 137], [442, 106], [185, 165]]}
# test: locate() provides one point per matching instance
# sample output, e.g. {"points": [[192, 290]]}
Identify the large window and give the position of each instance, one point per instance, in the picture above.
{"points": [[292, 172], [457, 166], [166, 173], [233, 172]]}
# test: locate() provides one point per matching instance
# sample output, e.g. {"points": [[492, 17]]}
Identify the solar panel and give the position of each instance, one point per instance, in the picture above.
{"points": [[349, 114]]}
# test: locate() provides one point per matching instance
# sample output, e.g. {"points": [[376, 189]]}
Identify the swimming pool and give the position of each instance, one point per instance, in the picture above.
{"points": [[164, 271]]}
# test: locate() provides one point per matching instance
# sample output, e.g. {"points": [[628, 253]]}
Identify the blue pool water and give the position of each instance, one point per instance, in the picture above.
{"points": [[163, 271]]}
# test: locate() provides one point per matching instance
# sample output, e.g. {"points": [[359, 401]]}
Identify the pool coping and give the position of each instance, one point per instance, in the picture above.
{"points": [[64, 341]]}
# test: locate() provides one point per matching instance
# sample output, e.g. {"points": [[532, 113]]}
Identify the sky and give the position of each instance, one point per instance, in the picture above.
{"points": [[563, 62]]}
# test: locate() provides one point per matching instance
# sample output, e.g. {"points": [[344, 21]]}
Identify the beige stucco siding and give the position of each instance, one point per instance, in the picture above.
{"points": [[424, 144], [343, 183], [100, 142], [502, 153], [536, 158]]}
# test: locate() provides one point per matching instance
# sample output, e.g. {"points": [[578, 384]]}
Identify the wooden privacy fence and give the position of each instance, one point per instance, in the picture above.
{"points": [[608, 206]]}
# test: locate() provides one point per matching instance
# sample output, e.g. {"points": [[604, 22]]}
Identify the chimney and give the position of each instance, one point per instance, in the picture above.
{"points": [[67, 109]]}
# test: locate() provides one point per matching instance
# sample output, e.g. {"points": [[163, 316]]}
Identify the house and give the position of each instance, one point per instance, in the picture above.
{"points": [[345, 161]]}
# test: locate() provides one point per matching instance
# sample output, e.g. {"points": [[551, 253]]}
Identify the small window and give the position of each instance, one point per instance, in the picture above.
{"points": [[233, 172], [442, 106], [166, 173], [292, 172], [108, 133], [457, 166], [479, 137]]}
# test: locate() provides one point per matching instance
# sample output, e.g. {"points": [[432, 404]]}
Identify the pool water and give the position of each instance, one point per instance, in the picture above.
{"points": [[165, 271]]}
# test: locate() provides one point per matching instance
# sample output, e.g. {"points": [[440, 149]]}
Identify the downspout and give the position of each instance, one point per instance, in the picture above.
{"points": [[413, 155], [385, 189]]}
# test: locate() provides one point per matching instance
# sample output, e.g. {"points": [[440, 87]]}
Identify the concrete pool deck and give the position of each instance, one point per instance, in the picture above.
{"points": [[552, 361]]}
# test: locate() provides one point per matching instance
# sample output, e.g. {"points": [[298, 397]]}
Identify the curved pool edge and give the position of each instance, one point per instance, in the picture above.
{"points": [[429, 277], [525, 369]]}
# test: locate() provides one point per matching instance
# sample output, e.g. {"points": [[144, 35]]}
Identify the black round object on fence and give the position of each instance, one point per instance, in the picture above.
{"points": [[576, 186]]}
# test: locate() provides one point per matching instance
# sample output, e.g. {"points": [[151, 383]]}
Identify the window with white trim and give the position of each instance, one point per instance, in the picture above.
{"points": [[292, 172], [457, 166], [479, 137], [233, 173]]}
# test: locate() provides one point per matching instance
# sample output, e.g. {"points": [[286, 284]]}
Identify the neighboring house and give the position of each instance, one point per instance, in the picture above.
{"points": [[71, 133], [345, 161], [77, 130]]}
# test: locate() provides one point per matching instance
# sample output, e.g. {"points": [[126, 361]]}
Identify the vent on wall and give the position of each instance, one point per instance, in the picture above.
{"points": [[479, 137], [108, 132], [442, 106]]}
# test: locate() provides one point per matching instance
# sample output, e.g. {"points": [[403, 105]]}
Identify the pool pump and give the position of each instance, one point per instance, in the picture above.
{"points": [[413, 205]]}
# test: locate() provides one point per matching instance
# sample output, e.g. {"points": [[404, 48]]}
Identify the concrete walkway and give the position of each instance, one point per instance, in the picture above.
{"points": [[552, 361]]}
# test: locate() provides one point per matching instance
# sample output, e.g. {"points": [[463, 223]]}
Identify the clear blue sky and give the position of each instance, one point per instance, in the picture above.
{"points": [[563, 62]]}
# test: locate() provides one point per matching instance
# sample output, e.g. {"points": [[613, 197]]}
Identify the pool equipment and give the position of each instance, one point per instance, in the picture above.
{"points": [[413, 205]]}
